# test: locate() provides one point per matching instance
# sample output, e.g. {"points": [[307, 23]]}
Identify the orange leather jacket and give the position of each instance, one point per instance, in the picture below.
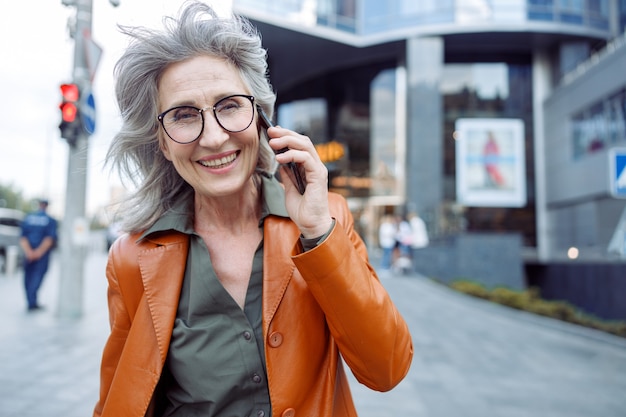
{"points": [[316, 305]]}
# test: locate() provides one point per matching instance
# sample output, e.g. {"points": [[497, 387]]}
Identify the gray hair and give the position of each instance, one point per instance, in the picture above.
{"points": [[135, 151]]}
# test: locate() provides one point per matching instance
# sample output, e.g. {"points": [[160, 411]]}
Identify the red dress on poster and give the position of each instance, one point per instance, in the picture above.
{"points": [[491, 153]]}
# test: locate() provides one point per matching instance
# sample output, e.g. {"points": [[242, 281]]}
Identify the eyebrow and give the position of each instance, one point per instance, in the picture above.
{"points": [[192, 103]]}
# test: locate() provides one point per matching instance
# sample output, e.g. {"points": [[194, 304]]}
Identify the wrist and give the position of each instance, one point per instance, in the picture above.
{"points": [[317, 231]]}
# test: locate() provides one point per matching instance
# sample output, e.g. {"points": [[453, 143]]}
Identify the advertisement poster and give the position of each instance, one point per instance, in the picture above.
{"points": [[490, 163]]}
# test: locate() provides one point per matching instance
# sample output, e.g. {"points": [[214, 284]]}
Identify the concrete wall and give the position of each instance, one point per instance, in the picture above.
{"points": [[580, 209], [491, 259], [595, 288]]}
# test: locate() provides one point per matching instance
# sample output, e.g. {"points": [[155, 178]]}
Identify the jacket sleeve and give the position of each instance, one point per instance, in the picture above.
{"points": [[372, 336]]}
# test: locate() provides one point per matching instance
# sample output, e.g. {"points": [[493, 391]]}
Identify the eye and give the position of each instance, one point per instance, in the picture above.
{"points": [[182, 115], [230, 104]]}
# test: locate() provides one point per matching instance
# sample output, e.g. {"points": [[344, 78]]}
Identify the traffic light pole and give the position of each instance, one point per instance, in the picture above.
{"points": [[74, 227]]}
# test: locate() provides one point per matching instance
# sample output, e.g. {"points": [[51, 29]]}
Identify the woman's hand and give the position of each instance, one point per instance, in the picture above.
{"points": [[310, 210]]}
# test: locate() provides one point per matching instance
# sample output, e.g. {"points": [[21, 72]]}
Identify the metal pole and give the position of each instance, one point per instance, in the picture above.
{"points": [[74, 227]]}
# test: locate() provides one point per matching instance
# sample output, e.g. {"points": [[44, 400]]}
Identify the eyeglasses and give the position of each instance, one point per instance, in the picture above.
{"points": [[184, 124]]}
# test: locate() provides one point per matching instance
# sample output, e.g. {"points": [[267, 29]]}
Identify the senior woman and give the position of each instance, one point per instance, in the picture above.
{"points": [[231, 294]]}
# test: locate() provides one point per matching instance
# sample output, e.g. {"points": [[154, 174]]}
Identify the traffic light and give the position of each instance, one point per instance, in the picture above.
{"points": [[70, 118]]}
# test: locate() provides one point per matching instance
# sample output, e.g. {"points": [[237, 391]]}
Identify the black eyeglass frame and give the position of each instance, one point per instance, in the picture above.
{"points": [[161, 116]]}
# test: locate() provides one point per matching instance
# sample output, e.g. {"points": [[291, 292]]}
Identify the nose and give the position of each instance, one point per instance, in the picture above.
{"points": [[213, 135]]}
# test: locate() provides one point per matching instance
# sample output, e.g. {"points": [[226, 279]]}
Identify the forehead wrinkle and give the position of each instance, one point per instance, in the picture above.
{"points": [[200, 83]]}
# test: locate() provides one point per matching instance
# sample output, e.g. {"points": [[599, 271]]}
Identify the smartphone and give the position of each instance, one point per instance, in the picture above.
{"points": [[294, 172]]}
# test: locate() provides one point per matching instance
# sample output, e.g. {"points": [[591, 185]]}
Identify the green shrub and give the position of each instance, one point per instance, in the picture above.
{"points": [[471, 288], [530, 300], [560, 310], [508, 297]]}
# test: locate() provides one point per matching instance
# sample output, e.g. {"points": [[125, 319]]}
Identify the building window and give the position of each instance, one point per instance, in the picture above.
{"points": [[491, 91], [307, 117], [591, 13], [540, 10], [600, 125], [337, 14], [570, 11], [385, 164]]}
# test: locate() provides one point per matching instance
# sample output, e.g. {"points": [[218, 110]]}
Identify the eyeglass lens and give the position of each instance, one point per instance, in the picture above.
{"points": [[184, 124]]}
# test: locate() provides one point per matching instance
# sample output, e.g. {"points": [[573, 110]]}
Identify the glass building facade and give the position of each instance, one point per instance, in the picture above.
{"points": [[369, 17], [386, 83]]}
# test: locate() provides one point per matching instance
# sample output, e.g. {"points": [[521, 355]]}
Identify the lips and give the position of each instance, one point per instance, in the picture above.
{"points": [[219, 162]]}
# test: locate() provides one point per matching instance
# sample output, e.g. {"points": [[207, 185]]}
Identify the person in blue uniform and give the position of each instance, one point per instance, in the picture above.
{"points": [[39, 236]]}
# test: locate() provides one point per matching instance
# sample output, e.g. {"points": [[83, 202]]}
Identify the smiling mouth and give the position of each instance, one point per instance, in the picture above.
{"points": [[221, 162]]}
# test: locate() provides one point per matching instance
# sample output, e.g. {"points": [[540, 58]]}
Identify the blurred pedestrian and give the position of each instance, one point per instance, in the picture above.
{"points": [[38, 238], [387, 240], [402, 260], [404, 236], [419, 237], [419, 233]]}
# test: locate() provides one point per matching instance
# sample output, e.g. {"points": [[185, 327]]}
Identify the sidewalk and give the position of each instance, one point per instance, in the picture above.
{"points": [[49, 366], [472, 358]]}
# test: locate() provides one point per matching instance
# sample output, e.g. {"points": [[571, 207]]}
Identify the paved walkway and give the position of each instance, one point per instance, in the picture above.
{"points": [[48, 366], [472, 358]]}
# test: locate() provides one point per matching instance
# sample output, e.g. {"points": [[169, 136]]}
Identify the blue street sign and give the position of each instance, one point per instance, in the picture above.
{"points": [[617, 163], [88, 114]]}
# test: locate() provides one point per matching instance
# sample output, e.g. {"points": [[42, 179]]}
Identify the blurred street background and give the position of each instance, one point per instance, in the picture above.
{"points": [[472, 358], [501, 124]]}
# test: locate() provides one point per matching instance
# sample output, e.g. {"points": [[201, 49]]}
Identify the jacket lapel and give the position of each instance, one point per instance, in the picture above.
{"points": [[162, 291], [279, 235]]}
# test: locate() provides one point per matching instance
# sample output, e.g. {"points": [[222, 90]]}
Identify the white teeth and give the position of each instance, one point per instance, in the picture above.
{"points": [[214, 163]]}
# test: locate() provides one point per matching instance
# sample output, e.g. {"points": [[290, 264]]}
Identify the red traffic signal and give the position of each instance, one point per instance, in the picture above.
{"points": [[69, 106], [70, 92], [68, 112], [70, 119]]}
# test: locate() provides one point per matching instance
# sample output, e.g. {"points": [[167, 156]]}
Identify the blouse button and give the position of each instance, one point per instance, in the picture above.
{"points": [[276, 339], [247, 335], [290, 412], [256, 378]]}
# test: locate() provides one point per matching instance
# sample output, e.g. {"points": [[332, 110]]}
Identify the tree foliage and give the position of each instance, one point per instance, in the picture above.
{"points": [[10, 197]]}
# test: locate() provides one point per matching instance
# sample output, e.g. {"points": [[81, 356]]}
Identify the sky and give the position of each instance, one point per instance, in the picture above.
{"points": [[37, 57]]}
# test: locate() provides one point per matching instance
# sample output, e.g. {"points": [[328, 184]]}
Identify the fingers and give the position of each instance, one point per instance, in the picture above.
{"points": [[309, 210], [284, 140], [298, 151]]}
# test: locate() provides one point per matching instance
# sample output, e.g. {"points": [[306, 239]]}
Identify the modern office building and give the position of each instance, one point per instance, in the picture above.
{"points": [[482, 115]]}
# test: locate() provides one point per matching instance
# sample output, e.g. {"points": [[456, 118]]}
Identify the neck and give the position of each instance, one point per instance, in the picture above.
{"points": [[234, 213]]}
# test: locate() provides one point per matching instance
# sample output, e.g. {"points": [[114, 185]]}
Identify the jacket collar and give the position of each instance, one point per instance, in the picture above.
{"points": [[168, 245], [179, 216], [169, 253]]}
